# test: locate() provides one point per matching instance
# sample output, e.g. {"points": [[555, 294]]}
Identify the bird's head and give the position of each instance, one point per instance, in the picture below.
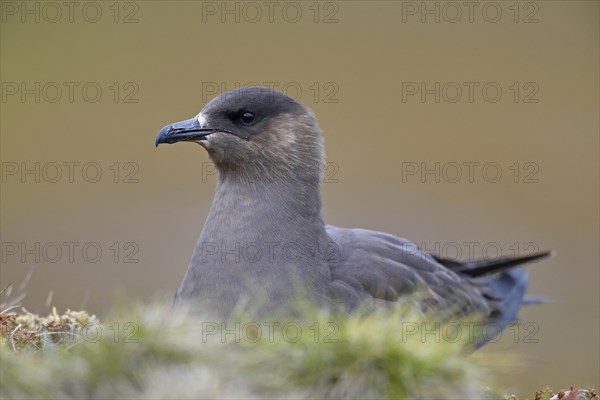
{"points": [[253, 130]]}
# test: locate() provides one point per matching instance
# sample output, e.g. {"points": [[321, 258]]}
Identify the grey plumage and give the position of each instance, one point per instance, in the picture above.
{"points": [[265, 240]]}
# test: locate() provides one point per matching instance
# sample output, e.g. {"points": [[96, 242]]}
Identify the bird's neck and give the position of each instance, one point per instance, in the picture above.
{"points": [[264, 233], [283, 210]]}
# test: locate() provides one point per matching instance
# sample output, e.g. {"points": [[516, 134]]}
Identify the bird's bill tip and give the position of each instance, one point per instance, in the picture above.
{"points": [[162, 135], [188, 130]]}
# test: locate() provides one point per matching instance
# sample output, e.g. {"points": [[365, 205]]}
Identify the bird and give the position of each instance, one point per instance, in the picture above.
{"points": [[265, 241]]}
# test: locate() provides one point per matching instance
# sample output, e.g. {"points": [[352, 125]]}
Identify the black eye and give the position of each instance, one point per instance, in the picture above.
{"points": [[247, 117]]}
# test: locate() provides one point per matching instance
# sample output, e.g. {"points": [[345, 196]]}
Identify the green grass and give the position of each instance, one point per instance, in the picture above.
{"points": [[157, 352]]}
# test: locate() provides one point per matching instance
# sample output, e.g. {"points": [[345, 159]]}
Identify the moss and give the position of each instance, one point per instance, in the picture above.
{"points": [[154, 351]]}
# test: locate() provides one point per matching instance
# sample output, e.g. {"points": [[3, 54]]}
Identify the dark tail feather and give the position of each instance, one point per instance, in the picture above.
{"points": [[535, 299], [503, 285], [509, 288], [486, 267]]}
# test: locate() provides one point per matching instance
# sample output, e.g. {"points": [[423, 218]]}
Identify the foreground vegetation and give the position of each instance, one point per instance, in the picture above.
{"points": [[156, 352]]}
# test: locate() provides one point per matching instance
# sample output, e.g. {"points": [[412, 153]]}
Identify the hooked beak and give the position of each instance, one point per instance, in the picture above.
{"points": [[183, 131]]}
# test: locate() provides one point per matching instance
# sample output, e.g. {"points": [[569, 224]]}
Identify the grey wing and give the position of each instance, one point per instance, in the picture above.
{"points": [[384, 267]]}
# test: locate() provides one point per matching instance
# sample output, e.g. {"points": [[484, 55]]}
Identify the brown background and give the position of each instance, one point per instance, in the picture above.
{"points": [[171, 52]]}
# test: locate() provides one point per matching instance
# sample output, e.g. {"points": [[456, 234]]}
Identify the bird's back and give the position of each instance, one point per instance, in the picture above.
{"points": [[383, 267]]}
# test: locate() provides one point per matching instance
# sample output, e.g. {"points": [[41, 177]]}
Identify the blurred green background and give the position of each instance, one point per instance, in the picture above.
{"points": [[86, 87]]}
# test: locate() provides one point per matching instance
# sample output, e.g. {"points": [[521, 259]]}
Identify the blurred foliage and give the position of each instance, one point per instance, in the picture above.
{"points": [[157, 352], [27, 330], [572, 394]]}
